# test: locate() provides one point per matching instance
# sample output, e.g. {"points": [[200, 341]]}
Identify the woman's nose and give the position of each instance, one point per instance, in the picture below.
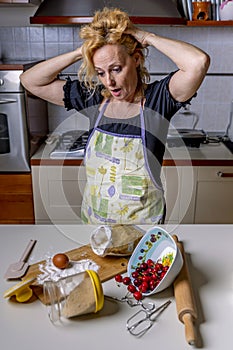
{"points": [[110, 80]]}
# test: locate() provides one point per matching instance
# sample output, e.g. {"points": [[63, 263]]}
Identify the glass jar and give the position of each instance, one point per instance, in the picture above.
{"points": [[74, 295]]}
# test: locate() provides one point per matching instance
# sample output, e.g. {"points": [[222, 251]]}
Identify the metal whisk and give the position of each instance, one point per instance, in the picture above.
{"points": [[143, 320]]}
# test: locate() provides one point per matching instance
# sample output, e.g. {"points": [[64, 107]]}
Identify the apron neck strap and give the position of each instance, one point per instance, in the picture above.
{"points": [[101, 112], [103, 109]]}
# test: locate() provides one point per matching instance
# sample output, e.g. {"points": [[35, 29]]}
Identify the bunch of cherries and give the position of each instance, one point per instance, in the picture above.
{"points": [[145, 278]]}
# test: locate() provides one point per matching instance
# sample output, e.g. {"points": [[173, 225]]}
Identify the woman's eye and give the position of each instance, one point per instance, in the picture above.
{"points": [[100, 74], [117, 69]]}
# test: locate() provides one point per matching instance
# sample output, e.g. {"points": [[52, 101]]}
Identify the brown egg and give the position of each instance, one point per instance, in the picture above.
{"points": [[61, 260]]}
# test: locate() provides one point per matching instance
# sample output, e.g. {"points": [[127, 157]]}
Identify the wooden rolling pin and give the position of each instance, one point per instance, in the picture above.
{"points": [[185, 302]]}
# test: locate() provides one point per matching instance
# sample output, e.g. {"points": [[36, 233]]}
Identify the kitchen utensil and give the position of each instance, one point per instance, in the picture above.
{"points": [[109, 266], [201, 10], [132, 302], [185, 302], [18, 269], [157, 245], [226, 11], [21, 290], [143, 320]]}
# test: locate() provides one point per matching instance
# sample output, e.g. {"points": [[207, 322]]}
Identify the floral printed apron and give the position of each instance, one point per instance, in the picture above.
{"points": [[120, 187]]}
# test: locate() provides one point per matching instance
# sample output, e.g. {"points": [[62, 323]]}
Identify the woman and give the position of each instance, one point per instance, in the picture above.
{"points": [[129, 116]]}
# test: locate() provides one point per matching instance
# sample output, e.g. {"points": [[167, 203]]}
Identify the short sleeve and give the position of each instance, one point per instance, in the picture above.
{"points": [[77, 96], [159, 98]]}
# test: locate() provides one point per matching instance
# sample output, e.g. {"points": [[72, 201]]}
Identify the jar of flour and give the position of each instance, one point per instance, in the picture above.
{"points": [[73, 295]]}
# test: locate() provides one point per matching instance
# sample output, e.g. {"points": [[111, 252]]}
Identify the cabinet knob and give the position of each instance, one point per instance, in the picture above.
{"points": [[221, 174], [1, 82]]}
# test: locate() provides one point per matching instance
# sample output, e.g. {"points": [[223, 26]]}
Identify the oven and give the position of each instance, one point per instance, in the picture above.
{"points": [[23, 123]]}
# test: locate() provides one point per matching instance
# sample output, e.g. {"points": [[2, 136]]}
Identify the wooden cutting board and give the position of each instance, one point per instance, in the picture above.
{"points": [[109, 266]]}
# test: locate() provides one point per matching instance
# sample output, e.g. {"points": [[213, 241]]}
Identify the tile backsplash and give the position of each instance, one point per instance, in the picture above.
{"points": [[209, 111]]}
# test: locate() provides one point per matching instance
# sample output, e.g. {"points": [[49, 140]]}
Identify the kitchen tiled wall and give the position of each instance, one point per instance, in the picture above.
{"points": [[212, 104]]}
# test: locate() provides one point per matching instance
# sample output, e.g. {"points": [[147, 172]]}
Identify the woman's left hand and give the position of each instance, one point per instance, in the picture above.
{"points": [[139, 35]]}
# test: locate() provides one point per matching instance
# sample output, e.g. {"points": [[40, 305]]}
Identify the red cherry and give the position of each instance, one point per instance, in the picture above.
{"points": [[126, 281], [152, 284], [118, 278], [135, 274], [137, 282], [154, 277], [146, 278], [131, 288], [143, 266], [162, 274], [137, 295], [150, 262], [144, 287]]}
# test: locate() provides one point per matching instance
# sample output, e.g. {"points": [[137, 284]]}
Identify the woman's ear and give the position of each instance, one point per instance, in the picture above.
{"points": [[137, 58]]}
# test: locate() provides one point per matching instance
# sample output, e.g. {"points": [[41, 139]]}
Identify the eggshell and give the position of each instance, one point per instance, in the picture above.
{"points": [[61, 260]]}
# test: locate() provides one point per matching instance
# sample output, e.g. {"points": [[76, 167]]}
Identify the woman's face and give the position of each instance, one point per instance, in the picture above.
{"points": [[117, 71]]}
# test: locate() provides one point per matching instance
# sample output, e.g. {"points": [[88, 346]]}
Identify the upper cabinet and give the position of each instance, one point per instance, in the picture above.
{"points": [[82, 11]]}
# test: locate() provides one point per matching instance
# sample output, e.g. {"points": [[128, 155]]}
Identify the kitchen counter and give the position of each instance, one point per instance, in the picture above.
{"points": [[213, 154], [16, 64], [27, 326]]}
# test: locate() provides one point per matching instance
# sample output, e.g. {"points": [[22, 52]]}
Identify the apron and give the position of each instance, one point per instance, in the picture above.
{"points": [[120, 188]]}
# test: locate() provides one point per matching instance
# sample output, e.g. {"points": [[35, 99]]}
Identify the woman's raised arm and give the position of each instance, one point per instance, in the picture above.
{"points": [[192, 62], [42, 81]]}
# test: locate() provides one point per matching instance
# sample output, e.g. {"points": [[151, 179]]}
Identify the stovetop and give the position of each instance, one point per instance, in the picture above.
{"points": [[71, 144], [188, 137]]}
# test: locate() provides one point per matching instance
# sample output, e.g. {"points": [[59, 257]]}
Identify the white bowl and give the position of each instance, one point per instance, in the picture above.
{"points": [[226, 11], [154, 245]]}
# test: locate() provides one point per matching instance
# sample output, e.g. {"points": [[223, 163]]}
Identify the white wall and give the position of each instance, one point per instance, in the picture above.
{"points": [[20, 40]]}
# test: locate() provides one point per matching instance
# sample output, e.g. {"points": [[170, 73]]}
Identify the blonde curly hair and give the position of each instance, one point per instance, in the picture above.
{"points": [[108, 27]]}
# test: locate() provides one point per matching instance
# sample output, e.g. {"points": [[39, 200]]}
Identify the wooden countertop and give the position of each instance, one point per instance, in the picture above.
{"points": [[206, 155], [17, 64]]}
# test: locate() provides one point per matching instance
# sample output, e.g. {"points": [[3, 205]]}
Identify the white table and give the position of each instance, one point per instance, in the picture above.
{"points": [[210, 253]]}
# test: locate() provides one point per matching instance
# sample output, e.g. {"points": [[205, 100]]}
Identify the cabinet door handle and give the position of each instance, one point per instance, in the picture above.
{"points": [[221, 174], [2, 102]]}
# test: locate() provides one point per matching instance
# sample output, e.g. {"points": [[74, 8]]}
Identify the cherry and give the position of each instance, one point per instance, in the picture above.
{"points": [[126, 281], [150, 262], [137, 295], [145, 278], [137, 282], [135, 274], [118, 278], [131, 288], [144, 266]]}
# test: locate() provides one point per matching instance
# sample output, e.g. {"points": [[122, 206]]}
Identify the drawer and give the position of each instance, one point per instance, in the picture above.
{"points": [[215, 173]]}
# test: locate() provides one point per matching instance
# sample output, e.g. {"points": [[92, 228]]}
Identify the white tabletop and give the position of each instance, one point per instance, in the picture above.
{"points": [[210, 254]]}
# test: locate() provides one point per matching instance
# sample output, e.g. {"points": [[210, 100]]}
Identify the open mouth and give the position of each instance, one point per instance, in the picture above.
{"points": [[116, 92]]}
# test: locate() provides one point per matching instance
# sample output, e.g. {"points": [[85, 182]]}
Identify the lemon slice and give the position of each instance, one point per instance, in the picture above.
{"points": [[21, 290]]}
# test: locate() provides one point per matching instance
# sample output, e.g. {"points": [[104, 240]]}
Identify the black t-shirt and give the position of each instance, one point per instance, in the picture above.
{"points": [[158, 110]]}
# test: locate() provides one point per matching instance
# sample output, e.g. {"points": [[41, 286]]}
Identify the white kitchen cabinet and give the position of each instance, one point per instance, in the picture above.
{"points": [[57, 192], [214, 195], [180, 186]]}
